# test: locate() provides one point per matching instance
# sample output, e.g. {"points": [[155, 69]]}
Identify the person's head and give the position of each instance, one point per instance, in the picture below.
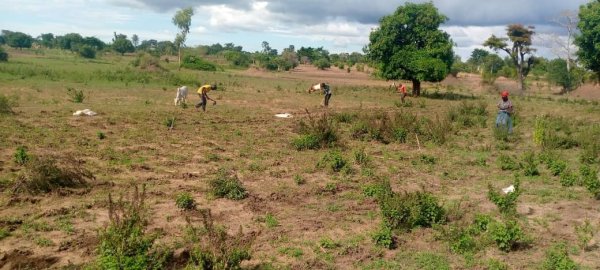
{"points": [[504, 95], [213, 87]]}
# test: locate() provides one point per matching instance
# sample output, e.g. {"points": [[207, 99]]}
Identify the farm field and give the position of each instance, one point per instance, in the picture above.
{"points": [[320, 208]]}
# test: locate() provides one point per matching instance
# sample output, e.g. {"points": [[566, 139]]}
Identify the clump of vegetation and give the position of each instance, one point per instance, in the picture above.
{"points": [[169, 122], [5, 105], [384, 238], [508, 235], [271, 221], [87, 51], [299, 180], [21, 156], [124, 243], [185, 201], [409, 210], [100, 135], [333, 160], [213, 248], [46, 174], [227, 185], [506, 203], [361, 157], [590, 180], [590, 144], [76, 96], [3, 55], [145, 61], [316, 133], [530, 164], [508, 163], [469, 114], [557, 258], [568, 179], [345, 117], [553, 133], [585, 232], [557, 167], [197, 63]]}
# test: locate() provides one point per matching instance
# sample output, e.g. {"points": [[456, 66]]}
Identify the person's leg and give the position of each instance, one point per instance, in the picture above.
{"points": [[403, 96], [204, 103], [199, 103], [327, 97], [510, 124]]}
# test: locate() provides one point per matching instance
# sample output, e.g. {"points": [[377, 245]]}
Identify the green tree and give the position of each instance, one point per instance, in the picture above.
{"points": [[183, 21], [409, 45], [559, 74], [69, 41], [121, 44], [3, 55], [521, 52], [94, 42], [135, 40], [477, 59], [19, 40], [47, 40], [587, 41]]}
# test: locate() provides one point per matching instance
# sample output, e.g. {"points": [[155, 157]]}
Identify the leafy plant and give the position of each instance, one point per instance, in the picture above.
{"points": [[169, 122], [328, 243], [227, 185], [361, 157], [508, 163], [506, 203], [100, 135], [5, 105], [384, 238], [507, 235], [185, 201], [317, 133], [271, 221], [305, 142], [21, 156], [333, 160], [77, 96], [568, 178], [590, 180], [299, 180], [585, 232], [557, 258], [556, 167], [530, 164]]}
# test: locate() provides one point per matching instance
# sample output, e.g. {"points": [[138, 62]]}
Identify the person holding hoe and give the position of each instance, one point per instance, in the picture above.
{"points": [[402, 90], [505, 111], [203, 93]]}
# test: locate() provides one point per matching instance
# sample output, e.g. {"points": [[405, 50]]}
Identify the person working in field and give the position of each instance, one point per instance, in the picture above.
{"points": [[325, 89], [203, 93], [402, 90], [505, 112]]}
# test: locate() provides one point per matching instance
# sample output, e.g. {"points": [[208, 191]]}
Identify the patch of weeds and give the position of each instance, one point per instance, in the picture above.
{"points": [[317, 133], [185, 201], [299, 180], [306, 142], [506, 203], [333, 160], [590, 180], [431, 261], [557, 258], [568, 179], [5, 105], [291, 251], [361, 157], [213, 248], [530, 164], [100, 135], [169, 122], [4, 233], [256, 167], [469, 114], [508, 163], [426, 159], [409, 210], [508, 235], [124, 243], [400, 134], [44, 242], [384, 238], [212, 157], [76, 96], [493, 264], [585, 232], [328, 243], [501, 133], [227, 185], [271, 221], [345, 117], [45, 174], [21, 156]]}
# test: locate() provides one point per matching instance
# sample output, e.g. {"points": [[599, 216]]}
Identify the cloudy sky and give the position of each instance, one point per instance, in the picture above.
{"points": [[337, 25]]}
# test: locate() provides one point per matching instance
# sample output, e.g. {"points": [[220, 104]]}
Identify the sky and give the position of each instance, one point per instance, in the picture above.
{"points": [[336, 25]]}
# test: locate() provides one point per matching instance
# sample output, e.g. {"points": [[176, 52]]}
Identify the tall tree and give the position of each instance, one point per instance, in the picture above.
{"points": [[18, 39], [135, 40], [409, 45], [587, 41], [183, 21], [564, 47], [477, 58], [46, 40], [121, 44], [521, 52]]}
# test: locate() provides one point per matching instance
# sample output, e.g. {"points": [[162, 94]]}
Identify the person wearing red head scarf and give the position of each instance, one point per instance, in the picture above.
{"points": [[505, 111]]}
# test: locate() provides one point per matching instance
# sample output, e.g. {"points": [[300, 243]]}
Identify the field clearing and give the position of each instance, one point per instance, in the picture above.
{"points": [[324, 221]]}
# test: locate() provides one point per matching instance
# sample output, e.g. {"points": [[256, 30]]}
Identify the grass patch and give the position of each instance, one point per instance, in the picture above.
{"points": [[227, 185], [46, 174], [185, 201]]}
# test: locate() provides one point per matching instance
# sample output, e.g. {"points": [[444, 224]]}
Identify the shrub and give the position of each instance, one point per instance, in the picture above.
{"points": [[45, 174], [345, 117], [146, 60], [100, 135], [185, 201], [227, 185], [506, 203], [87, 51], [321, 132], [197, 63], [333, 160], [556, 167], [3, 55], [508, 235], [557, 258], [400, 135], [508, 163], [409, 210], [585, 233], [469, 114], [77, 96], [384, 237], [568, 179], [213, 248], [5, 105], [590, 180], [124, 243], [530, 164], [21, 156], [361, 157], [322, 64]]}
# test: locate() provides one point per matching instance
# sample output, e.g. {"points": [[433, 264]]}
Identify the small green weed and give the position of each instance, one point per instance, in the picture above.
{"points": [[384, 238], [590, 180], [508, 235], [506, 203], [44, 174], [4, 233], [291, 251], [431, 261], [185, 201], [530, 164], [568, 179], [361, 157], [328, 243], [100, 135], [333, 160], [306, 142], [271, 221], [508, 163], [76, 96], [21, 156], [299, 180], [585, 232], [227, 185], [557, 258]]}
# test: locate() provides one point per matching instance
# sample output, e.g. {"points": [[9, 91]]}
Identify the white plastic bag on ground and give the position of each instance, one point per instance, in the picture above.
{"points": [[509, 189], [284, 115], [87, 112]]}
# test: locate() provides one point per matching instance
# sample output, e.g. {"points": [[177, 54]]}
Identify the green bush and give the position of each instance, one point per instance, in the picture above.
{"points": [[557, 258], [124, 243], [409, 210], [508, 163], [506, 203], [21, 157], [590, 180], [568, 179], [44, 174], [384, 237], [305, 142], [322, 64], [3, 55], [469, 114], [145, 61], [361, 157], [197, 63], [185, 201], [77, 96], [507, 236], [400, 134], [100, 135], [334, 161], [556, 167], [530, 164], [227, 185], [321, 132], [345, 117], [87, 51], [5, 105]]}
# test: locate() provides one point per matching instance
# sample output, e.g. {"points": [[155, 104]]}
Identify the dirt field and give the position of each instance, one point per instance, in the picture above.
{"points": [[302, 216]]}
